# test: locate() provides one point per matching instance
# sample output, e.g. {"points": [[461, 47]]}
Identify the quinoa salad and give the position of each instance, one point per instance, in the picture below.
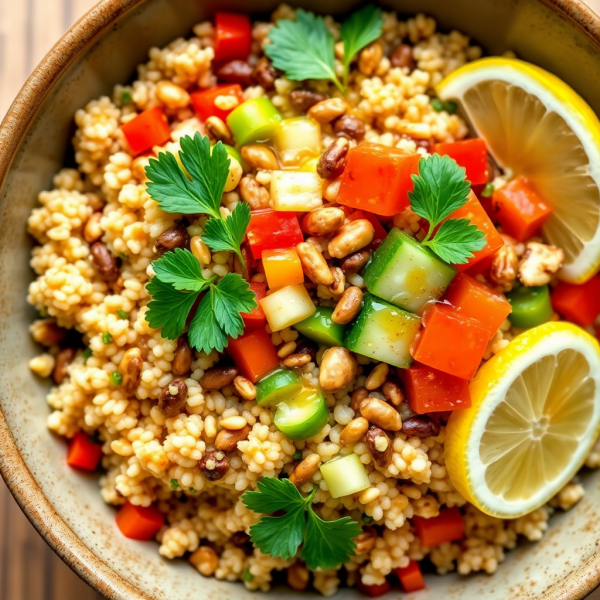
{"points": [[282, 283]]}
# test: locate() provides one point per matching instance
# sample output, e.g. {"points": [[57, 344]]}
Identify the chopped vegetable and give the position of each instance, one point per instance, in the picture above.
{"points": [[106, 338], [437, 104], [150, 128], [450, 342], [122, 314], [377, 178], [255, 319], [277, 386], [321, 329], [531, 306], [254, 121], [116, 379], [448, 526], [488, 190], [296, 191], [298, 139], [345, 475], [282, 268], [270, 230], [379, 231], [519, 209], [287, 306], [406, 274], [383, 332], [233, 36], [83, 453], [411, 578], [254, 354], [87, 353], [139, 522], [475, 300], [206, 105], [578, 303], [374, 591], [303, 415], [429, 390], [471, 155]]}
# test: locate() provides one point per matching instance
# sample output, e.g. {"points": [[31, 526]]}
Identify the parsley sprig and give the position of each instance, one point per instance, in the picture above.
{"points": [[440, 188], [196, 187], [303, 49], [177, 285], [325, 544]]}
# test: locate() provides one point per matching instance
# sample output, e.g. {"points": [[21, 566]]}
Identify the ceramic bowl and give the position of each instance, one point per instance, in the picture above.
{"points": [[103, 49]]}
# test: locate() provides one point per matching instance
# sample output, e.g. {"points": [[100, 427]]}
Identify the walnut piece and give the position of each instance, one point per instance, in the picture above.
{"points": [[539, 263]]}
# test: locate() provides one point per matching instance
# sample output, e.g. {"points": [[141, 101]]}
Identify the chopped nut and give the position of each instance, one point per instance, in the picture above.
{"points": [[245, 388], [130, 369], [328, 110], [357, 397], [380, 446], [266, 74], [392, 393], [295, 361], [339, 281], [539, 263], [226, 102], [303, 100], [286, 349], [369, 58], [218, 377], [227, 440], [369, 495], [402, 56], [205, 560], [354, 431], [182, 361], [338, 369], [351, 237], [377, 376], [47, 332], [214, 465], [171, 95], [105, 262], [305, 347], [365, 542], [174, 237], [259, 156], [217, 130], [420, 426], [349, 126], [92, 231], [504, 267], [172, 398], [305, 470], [313, 264], [200, 251], [236, 71], [233, 423], [380, 413], [355, 262], [324, 221], [348, 306], [333, 160], [254, 194]]}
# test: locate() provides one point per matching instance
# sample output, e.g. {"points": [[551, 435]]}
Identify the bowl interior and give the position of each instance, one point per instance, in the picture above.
{"points": [[67, 507]]}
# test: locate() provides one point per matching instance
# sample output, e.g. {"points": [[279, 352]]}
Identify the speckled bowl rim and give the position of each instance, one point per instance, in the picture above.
{"points": [[38, 509]]}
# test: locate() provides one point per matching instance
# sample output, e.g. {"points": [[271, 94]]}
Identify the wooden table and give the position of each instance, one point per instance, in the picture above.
{"points": [[29, 570]]}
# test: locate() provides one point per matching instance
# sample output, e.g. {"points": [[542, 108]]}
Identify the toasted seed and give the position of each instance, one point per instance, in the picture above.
{"points": [[200, 251], [339, 281], [218, 377], [92, 231], [380, 413], [365, 542], [328, 110], [205, 560], [354, 431], [349, 126], [233, 423], [357, 397], [338, 369], [172, 95], [295, 361], [172, 398], [369, 58], [305, 470], [313, 264], [259, 156], [286, 349], [351, 237], [369, 495], [420, 426], [63, 359], [348, 306], [323, 221], [377, 376], [355, 262], [333, 160], [245, 388], [217, 130], [380, 446], [254, 194], [210, 427], [106, 263], [392, 392], [214, 465], [182, 361], [228, 440], [302, 100], [130, 368], [174, 237]]}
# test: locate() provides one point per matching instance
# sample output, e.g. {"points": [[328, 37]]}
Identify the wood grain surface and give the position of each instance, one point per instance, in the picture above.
{"points": [[29, 570]]}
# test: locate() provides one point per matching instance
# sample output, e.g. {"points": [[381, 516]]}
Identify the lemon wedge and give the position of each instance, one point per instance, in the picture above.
{"points": [[535, 414], [537, 126]]}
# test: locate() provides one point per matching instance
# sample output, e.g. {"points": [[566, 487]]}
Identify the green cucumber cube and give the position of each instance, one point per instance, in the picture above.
{"points": [[407, 274], [321, 329], [279, 385], [383, 332]]}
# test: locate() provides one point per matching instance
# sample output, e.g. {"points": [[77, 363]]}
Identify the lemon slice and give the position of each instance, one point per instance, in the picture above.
{"points": [[534, 418], [537, 126]]}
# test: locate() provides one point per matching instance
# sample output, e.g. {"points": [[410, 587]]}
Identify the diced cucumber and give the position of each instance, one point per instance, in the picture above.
{"points": [[345, 475], [303, 416], [279, 385], [296, 191], [321, 329], [383, 332], [530, 306], [405, 273], [287, 306], [298, 138]]}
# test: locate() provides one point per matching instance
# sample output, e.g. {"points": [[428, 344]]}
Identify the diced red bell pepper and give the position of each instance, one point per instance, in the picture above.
{"points": [[203, 101], [473, 211], [450, 342], [475, 300], [470, 154], [411, 577], [448, 526], [254, 354], [255, 319], [233, 37], [380, 232], [150, 128], [377, 178], [374, 591], [83, 453], [139, 522], [429, 390], [270, 230], [578, 303], [520, 209]]}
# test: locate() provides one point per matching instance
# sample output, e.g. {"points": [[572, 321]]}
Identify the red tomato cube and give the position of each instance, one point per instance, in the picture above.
{"points": [[139, 522], [374, 591], [377, 178], [429, 390], [270, 230], [578, 303], [474, 300], [450, 342], [255, 319], [448, 526], [150, 128], [203, 101], [520, 209], [470, 154], [254, 354], [233, 37], [411, 577], [83, 453]]}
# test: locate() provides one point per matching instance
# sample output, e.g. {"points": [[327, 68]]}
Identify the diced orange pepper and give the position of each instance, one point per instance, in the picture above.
{"points": [[203, 101], [475, 300], [411, 577], [282, 267], [256, 318], [377, 178], [520, 209], [450, 342], [254, 354], [150, 128], [578, 303], [448, 526], [431, 391], [470, 154], [83, 453], [139, 522]]}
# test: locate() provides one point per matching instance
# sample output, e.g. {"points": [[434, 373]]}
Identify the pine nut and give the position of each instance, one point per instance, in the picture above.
{"points": [[210, 427], [171, 95], [339, 281], [92, 231], [351, 237], [338, 369], [218, 130], [369, 495], [286, 349], [205, 560], [233, 423], [130, 369], [245, 388], [200, 251], [328, 110], [227, 440], [348, 306], [380, 413], [305, 470], [377, 376], [392, 393], [313, 264], [354, 431], [295, 361], [259, 156], [323, 221]]}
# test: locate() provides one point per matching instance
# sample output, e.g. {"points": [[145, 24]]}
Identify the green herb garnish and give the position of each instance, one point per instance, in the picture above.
{"points": [[86, 354], [122, 314], [297, 455], [106, 337], [488, 190], [437, 105], [247, 576], [177, 285], [174, 484], [116, 379], [450, 107], [325, 544], [440, 188], [192, 490], [367, 520], [126, 97], [303, 49]]}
